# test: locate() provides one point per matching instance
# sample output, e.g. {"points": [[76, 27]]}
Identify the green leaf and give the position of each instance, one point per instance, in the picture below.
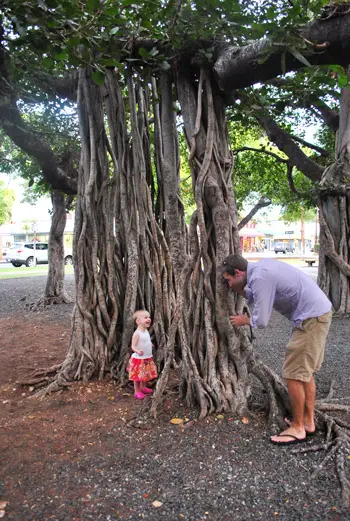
{"points": [[61, 56], [114, 31], [92, 5], [299, 56], [165, 65], [154, 51], [143, 52], [47, 62], [342, 80], [98, 77]]}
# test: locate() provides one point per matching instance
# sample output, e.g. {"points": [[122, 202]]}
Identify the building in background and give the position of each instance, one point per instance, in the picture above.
{"points": [[28, 231], [298, 236]]}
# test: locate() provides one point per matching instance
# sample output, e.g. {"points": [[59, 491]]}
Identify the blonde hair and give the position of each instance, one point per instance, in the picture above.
{"points": [[137, 313]]}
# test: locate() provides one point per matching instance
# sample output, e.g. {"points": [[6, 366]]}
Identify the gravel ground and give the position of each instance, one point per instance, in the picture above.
{"points": [[217, 469]]}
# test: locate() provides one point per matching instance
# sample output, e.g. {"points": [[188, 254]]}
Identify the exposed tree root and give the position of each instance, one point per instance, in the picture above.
{"points": [[44, 302], [337, 447], [42, 377]]}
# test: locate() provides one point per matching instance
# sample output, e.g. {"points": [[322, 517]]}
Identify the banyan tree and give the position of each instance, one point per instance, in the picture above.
{"points": [[133, 247]]}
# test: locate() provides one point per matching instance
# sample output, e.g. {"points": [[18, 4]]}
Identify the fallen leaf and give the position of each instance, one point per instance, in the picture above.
{"points": [[31, 416], [2, 513], [245, 420], [31, 389], [157, 504], [3, 504], [126, 394], [176, 421], [145, 495], [111, 397], [220, 416], [348, 457]]}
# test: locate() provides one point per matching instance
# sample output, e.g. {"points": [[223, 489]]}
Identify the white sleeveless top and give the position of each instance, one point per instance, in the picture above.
{"points": [[145, 344]]}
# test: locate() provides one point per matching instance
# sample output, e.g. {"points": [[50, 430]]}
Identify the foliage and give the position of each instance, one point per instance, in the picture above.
{"points": [[258, 174], [52, 125], [65, 34], [295, 213], [7, 198]]}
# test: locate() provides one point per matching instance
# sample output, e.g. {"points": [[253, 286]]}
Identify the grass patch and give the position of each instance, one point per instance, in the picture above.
{"points": [[11, 272]]}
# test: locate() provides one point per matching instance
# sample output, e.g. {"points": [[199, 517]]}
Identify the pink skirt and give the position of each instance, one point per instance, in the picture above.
{"points": [[141, 369]]}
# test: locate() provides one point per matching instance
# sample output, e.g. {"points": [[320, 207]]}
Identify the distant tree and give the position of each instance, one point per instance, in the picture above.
{"points": [[29, 159], [7, 198]]}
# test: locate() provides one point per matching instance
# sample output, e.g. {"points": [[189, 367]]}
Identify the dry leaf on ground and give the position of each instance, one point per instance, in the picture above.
{"points": [[176, 421]]}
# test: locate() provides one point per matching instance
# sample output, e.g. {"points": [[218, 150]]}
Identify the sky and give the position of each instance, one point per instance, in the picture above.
{"points": [[24, 211]]}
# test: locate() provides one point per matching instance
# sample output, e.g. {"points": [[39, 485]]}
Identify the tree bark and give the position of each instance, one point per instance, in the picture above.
{"points": [[329, 43], [334, 268], [54, 289]]}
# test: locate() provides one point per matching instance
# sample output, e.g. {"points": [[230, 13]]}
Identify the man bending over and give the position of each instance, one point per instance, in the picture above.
{"points": [[271, 284]]}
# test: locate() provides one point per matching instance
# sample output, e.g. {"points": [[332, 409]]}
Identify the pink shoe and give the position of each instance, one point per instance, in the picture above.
{"points": [[139, 395], [146, 390]]}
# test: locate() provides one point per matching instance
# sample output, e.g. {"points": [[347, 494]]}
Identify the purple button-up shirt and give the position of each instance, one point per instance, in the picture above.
{"points": [[275, 284]]}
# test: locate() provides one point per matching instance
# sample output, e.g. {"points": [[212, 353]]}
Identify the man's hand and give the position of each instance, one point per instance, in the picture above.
{"points": [[240, 320]]}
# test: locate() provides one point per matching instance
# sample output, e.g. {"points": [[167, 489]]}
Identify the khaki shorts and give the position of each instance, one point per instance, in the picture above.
{"points": [[305, 349]]}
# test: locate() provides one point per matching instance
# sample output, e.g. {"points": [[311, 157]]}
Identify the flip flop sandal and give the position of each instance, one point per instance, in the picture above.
{"points": [[294, 441], [309, 434]]}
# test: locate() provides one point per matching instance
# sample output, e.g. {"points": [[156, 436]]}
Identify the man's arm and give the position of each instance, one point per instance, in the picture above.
{"points": [[262, 298]]}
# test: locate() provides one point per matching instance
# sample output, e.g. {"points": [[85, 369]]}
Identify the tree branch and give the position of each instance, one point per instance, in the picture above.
{"points": [[291, 181], [261, 150], [329, 116], [286, 144], [13, 125], [321, 151], [260, 204], [262, 60]]}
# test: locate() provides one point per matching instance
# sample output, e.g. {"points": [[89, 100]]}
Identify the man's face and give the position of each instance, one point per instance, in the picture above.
{"points": [[236, 282]]}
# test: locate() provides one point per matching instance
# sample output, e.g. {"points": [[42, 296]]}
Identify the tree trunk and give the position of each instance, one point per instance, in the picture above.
{"points": [[334, 206], [54, 289], [123, 261]]}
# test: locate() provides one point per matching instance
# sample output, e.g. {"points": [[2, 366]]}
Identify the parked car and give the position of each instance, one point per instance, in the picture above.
{"points": [[23, 253], [283, 247]]}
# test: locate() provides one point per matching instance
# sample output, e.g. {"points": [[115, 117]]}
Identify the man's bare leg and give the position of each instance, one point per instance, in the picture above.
{"points": [[297, 396], [309, 413]]}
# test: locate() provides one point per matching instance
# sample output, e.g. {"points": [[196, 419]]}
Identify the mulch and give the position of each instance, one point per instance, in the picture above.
{"points": [[73, 456]]}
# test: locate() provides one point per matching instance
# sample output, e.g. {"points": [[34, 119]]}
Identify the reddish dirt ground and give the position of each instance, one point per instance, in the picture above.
{"points": [[72, 457], [61, 426]]}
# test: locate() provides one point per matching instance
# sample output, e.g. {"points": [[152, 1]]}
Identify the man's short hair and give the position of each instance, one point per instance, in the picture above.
{"points": [[234, 262]]}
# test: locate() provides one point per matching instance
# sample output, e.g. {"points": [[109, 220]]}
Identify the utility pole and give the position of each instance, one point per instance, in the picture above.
{"points": [[34, 230], [302, 230]]}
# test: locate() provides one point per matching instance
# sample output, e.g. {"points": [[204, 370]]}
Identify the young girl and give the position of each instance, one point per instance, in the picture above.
{"points": [[141, 367]]}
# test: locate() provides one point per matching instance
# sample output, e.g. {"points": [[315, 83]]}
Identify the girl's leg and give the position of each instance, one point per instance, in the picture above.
{"points": [[137, 387], [145, 389]]}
